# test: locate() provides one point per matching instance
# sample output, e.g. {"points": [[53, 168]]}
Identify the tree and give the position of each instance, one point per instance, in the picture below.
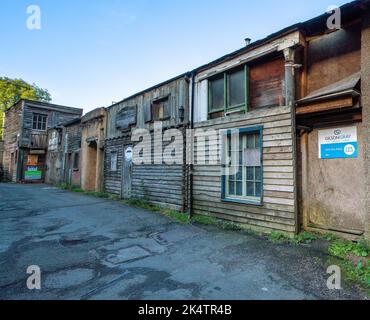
{"points": [[12, 90]]}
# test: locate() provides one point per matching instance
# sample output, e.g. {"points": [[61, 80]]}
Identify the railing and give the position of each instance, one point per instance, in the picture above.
{"points": [[38, 141]]}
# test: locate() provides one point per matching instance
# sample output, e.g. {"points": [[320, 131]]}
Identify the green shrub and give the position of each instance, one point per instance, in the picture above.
{"points": [[304, 237], [278, 237]]}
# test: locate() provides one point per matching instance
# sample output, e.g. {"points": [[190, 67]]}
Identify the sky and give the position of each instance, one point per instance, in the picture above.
{"points": [[91, 53]]}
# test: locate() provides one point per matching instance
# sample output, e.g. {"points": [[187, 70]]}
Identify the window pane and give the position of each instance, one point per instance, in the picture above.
{"points": [[258, 189], [232, 188], [250, 173], [236, 88], [257, 140], [250, 189], [258, 173], [239, 188], [250, 141], [217, 94], [239, 175]]}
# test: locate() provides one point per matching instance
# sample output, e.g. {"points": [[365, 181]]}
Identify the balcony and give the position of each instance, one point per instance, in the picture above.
{"points": [[38, 140]]}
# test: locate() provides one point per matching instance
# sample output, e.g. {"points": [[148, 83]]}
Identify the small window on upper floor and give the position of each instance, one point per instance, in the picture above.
{"points": [[39, 122], [161, 109], [228, 92]]}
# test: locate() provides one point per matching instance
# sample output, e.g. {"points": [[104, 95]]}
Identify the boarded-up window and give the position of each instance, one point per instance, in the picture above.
{"points": [[267, 83], [113, 161], [161, 109], [126, 118], [76, 161]]}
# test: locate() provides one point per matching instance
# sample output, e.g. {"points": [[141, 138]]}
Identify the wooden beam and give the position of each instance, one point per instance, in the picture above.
{"points": [[325, 106]]}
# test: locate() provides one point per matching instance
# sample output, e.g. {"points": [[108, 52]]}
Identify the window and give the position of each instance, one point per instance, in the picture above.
{"points": [[113, 161], [76, 161], [242, 176], [228, 91], [39, 122], [161, 109]]}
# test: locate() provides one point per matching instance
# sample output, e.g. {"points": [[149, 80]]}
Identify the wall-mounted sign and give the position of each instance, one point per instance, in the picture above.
{"points": [[128, 154], [32, 173], [338, 143], [126, 117], [32, 160]]}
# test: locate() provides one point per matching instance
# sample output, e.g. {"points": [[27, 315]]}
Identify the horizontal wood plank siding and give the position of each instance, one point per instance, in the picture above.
{"points": [[278, 209]]}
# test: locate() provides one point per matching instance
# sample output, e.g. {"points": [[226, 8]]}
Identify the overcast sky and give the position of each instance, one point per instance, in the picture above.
{"points": [[90, 53]]}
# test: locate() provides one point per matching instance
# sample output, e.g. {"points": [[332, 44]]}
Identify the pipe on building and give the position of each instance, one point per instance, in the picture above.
{"points": [[191, 166]]}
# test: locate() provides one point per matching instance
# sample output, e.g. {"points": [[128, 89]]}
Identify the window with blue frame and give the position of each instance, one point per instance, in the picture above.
{"points": [[242, 165]]}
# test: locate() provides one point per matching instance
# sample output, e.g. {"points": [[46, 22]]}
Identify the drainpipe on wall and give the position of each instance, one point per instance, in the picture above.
{"points": [[191, 146], [290, 67]]}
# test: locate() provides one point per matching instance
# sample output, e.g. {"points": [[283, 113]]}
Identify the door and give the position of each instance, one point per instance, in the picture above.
{"points": [[127, 172], [68, 169], [334, 185]]}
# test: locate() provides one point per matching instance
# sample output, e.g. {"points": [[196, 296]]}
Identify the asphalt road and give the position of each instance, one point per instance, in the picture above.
{"points": [[89, 248]]}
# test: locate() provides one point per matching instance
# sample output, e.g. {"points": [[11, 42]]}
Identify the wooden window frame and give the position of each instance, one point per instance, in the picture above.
{"points": [[76, 166], [226, 77], [115, 168], [225, 197], [161, 100], [39, 117]]}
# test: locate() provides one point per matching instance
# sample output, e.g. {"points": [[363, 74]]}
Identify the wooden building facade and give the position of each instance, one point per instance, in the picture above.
{"points": [[155, 181], [93, 130], [72, 137], [295, 100], [244, 104], [26, 138]]}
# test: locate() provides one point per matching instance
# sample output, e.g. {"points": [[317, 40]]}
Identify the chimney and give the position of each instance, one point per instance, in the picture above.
{"points": [[247, 41]]}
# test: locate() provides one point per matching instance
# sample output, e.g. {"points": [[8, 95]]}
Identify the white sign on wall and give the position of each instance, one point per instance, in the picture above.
{"points": [[338, 143]]}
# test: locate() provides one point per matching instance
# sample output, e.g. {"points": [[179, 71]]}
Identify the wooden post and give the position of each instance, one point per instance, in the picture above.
{"points": [[305, 194]]}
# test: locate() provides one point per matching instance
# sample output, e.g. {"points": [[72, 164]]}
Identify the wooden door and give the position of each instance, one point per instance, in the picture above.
{"points": [[127, 172]]}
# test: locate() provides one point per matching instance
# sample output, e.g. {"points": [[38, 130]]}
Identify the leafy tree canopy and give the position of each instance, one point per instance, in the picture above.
{"points": [[12, 90]]}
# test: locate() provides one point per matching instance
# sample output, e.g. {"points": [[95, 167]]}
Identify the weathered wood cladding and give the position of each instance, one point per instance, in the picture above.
{"points": [[72, 137], [177, 93], [13, 120], [159, 184], [20, 137], [267, 83], [113, 179], [55, 117], [278, 209]]}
